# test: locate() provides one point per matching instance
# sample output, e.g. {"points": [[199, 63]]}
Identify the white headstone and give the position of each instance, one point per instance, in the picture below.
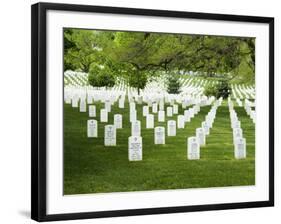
{"points": [[150, 121], [92, 110], [209, 121], [175, 109], [109, 135], [236, 124], [107, 105], [181, 121], [191, 112], [133, 115], [159, 135], [172, 128], [103, 115], [161, 115], [135, 148], [132, 106], [237, 133], [136, 128], [193, 148], [89, 99], [240, 148], [118, 121], [200, 135], [206, 128], [92, 129], [121, 103], [145, 110], [161, 105], [68, 99], [187, 116], [83, 106], [74, 102], [169, 111], [154, 108]]}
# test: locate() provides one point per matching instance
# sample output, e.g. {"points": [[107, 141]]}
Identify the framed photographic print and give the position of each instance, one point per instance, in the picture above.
{"points": [[139, 111]]}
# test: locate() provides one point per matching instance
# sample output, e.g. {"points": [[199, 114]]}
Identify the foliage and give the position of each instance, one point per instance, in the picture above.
{"points": [[221, 89], [137, 80], [83, 51], [127, 53], [173, 84], [100, 76]]}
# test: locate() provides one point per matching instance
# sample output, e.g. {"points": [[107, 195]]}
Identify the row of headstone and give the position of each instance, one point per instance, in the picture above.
{"points": [[171, 110], [248, 108], [109, 132], [238, 141], [135, 141], [195, 142]]}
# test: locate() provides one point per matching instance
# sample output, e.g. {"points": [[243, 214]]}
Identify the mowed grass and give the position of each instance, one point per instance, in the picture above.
{"points": [[90, 167]]}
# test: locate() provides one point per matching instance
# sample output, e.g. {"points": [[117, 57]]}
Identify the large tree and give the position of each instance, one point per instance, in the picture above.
{"points": [[138, 56]]}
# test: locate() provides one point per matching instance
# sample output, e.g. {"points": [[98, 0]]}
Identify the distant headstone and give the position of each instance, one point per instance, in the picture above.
{"points": [[193, 148], [103, 115], [209, 122], [169, 111], [68, 99], [92, 129], [187, 116], [196, 109], [150, 121], [175, 109], [172, 128], [83, 106], [135, 148], [206, 128], [236, 124], [136, 128], [109, 135], [118, 121], [161, 105], [181, 121], [191, 113], [89, 99], [145, 110], [132, 106], [159, 135], [161, 116], [74, 102], [240, 148], [121, 103], [92, 111], [200, 135], [154, 108], [133, 115], [237, 134], [107, 105]]}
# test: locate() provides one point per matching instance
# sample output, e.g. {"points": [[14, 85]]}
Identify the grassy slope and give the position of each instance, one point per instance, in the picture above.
{"points": [[89, 167]]}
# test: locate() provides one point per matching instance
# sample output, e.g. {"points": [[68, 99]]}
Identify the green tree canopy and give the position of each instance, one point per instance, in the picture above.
{"points": [[138, 56], [100, 76], [221, 89]]}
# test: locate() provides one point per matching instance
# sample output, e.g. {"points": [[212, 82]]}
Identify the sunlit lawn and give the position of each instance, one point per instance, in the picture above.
{"points": [[90, 167]]}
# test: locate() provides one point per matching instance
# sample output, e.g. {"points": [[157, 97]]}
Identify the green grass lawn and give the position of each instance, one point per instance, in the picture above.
{"points": [[90, 167]]}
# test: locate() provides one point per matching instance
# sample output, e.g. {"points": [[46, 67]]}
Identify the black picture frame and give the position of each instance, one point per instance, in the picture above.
{"points": [[39, 108]]}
